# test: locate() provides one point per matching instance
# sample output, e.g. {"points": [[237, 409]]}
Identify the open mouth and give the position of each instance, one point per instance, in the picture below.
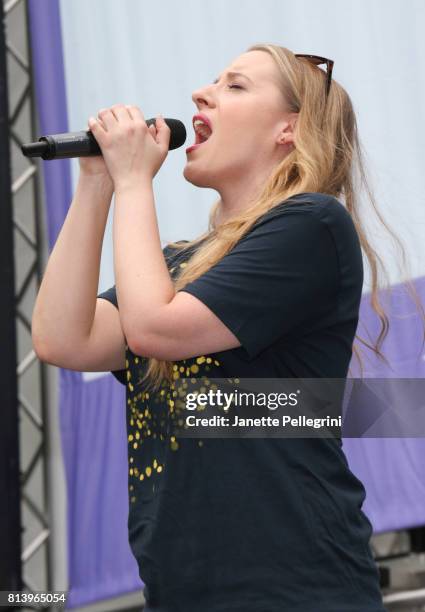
{"points": [[202, 132]]}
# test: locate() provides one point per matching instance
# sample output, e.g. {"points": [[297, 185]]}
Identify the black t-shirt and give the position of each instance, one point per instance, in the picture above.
{"points": [[257, 524]]}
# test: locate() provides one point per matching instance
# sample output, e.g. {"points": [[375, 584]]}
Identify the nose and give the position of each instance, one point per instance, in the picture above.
{"points": [[202, 96]]}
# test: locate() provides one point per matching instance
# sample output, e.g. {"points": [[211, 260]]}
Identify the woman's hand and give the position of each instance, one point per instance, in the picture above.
{"points": [[131, 150], [94, 166]]}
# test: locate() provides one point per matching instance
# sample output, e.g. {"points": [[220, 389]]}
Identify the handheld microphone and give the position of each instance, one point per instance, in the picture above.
{"points": [[84, 144]]}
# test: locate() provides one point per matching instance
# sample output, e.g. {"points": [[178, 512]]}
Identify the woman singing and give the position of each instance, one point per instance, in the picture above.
{"points": [[271, 290]]}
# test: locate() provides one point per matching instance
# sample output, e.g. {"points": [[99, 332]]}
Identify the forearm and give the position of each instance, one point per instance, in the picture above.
{"points": [[143, 282], [66, 301]]}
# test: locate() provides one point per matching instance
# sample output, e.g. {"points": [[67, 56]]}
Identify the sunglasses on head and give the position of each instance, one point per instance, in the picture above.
{"points": [[317, 60]]}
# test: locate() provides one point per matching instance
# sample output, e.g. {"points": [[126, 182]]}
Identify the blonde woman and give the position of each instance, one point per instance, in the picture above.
{"points": [[272, 290]]}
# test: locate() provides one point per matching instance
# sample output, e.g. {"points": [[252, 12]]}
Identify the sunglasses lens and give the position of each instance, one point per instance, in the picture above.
{"points": [[314, 59], [317, 60]]}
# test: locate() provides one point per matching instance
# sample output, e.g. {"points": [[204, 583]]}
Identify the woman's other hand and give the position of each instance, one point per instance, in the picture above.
{"points": [[94, 166], [132, 151]]}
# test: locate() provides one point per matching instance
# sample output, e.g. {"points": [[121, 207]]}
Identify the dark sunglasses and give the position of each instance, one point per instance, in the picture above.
{"points": [[317, 60]]}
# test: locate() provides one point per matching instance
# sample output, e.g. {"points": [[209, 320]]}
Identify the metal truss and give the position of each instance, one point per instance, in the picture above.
{"points": [[27, 229]]}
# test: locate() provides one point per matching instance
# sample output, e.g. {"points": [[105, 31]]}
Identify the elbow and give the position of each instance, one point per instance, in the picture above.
{"points": [[43, 349], [42, 352], [134, 347], [142, 340], [142, 345], [152, 346], [151, 340], [40, 348]]}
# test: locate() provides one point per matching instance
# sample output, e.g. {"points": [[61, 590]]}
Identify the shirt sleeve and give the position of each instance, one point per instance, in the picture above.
{"points": [[279, 277], [111, 295]]}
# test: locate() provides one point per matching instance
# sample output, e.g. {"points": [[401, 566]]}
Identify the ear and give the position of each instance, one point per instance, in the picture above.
{"points": [[286, 134]]}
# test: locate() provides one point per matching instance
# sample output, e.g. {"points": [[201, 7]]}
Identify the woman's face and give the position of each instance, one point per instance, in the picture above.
{"points": [[247, 116]]}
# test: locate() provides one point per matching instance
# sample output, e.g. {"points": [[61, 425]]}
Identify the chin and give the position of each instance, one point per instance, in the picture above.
{"points": [[197, 178]]}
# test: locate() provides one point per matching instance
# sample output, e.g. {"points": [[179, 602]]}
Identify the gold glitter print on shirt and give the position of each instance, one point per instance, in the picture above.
{"points": [[152, 417]]}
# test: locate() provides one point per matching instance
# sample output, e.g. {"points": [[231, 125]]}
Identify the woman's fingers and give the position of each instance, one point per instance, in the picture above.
{"points": [[107, 118], [135, 112], [99, 121], [120, 112], [128, 115]]}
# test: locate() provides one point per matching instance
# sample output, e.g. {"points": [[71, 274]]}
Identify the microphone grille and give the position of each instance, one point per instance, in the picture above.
{"points": [[178, 133]]}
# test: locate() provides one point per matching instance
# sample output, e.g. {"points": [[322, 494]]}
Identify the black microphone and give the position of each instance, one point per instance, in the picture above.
{"points": [[84, 144]]}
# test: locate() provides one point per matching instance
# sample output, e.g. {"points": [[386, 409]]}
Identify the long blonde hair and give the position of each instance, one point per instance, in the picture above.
{"points": [[326, 154]]}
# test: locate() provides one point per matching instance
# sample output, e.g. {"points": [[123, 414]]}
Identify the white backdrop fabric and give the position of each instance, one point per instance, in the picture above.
{"points": [[155, 54]]}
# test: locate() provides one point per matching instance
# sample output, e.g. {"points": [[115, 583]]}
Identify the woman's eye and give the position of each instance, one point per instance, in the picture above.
{"points": [[235, 87]]}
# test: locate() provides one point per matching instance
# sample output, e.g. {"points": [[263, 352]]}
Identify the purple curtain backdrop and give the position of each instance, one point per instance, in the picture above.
{"points": [[92, 414], [391, 469]]}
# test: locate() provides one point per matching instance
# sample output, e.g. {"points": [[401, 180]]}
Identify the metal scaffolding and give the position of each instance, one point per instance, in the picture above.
{"points": [[28, 241]]}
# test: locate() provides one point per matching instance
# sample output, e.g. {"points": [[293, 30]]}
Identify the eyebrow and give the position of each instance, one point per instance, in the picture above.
{"points": [[232, 74]]}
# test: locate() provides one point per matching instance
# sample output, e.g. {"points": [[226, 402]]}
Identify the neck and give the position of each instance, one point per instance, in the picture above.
{"points": [[237, 193], [239, 196]]}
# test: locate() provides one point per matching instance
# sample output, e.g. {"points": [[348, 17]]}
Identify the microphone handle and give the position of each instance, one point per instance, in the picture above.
{"points": [[81, 144], [71, 144]]}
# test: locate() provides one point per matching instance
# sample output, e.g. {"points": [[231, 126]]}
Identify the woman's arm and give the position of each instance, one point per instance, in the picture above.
{"points": [[64, 310]]}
